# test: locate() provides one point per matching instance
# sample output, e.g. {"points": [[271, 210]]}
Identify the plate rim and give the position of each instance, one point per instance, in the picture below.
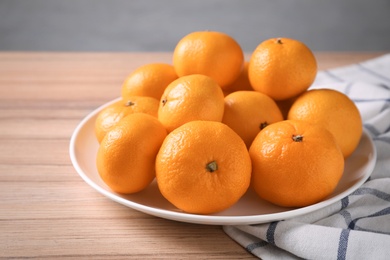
{"points": [[210, 219]]}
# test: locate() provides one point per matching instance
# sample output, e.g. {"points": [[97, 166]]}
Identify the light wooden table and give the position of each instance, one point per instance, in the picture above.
{"points": [[46, 209]]}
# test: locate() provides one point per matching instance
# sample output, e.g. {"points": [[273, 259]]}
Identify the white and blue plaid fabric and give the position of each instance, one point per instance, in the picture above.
{"points": [[358, 226]]}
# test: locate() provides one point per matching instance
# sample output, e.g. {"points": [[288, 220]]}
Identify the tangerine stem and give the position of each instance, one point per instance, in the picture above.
{"points": [[212, 166], [129, 103], [279, 40], [297, 138], [263, 125]]}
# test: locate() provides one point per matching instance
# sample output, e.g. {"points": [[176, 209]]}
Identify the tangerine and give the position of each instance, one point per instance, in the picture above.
{"points": [[148, 80], [285, 105], [214, 54], [295, 163], [282, 68], [335, 111], [193, 97], [113, 113], [248, 112], [203, 167], [241, 83], [126, 156]]}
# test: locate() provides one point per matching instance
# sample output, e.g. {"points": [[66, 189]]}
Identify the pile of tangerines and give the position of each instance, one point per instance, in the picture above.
{"points": [[211, 125]]}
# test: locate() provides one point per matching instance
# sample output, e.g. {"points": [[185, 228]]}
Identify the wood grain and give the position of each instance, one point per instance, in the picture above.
{"points": [[46, 210]]}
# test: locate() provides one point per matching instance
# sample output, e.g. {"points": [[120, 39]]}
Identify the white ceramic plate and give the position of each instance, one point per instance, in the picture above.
{"points": [[248, 210]]}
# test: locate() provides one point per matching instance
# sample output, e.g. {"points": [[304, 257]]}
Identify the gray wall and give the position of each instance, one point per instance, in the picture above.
{"points": [[156, 25]]}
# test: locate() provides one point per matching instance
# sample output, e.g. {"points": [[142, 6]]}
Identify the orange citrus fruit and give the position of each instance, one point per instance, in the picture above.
{"points": [[333, 110], [285, 105], [295, 163], [148, 80], [213, 54], [126, 156], [282, 68], [203, 167], [112, 114], [193, 97], [248, 112], [241, 83]]}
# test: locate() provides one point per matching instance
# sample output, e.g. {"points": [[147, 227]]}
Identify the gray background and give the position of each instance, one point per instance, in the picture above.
{"points": [[157, 25]]}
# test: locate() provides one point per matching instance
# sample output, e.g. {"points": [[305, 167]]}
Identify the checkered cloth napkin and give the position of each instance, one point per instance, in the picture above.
{"points": [[358, 226]]}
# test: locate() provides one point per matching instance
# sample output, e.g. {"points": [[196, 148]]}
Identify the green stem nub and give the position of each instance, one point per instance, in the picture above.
{"points": [[297, 138], [212, 166]]}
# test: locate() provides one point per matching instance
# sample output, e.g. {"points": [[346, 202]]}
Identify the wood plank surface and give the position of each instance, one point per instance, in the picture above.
{"points": [[46, 210]]}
